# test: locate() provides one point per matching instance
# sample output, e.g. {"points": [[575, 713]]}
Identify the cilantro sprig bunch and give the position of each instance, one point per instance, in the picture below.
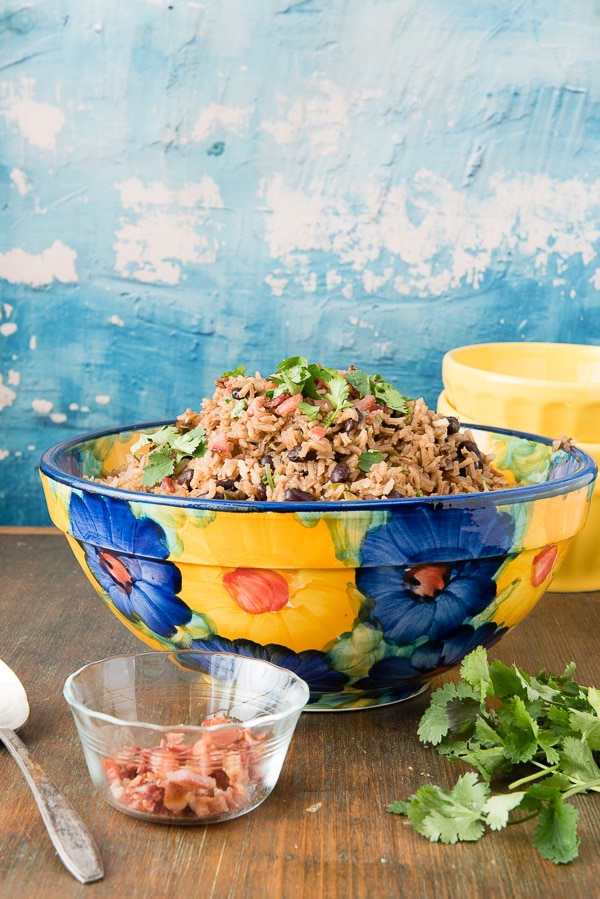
{"points": [[170, 446], [297, 375], [545, 729]]}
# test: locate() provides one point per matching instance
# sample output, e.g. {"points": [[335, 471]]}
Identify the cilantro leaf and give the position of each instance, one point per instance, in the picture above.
{"points": [[555, 835], [294, 375], [238, 371], [309, 410], [577, 762], [238, 408], [188, 443], [593, 698], [388, 395], [368, 459], [520, 730], [475, 670], [449, 815], [158, 438], [170, 445], [399, 807], [337, 395], [360, 380], [497, 808], [588, 725], [375, 385], [160, 465]]}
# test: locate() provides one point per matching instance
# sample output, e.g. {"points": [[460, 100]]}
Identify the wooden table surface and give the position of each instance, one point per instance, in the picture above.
{"points": [[324, 831]]}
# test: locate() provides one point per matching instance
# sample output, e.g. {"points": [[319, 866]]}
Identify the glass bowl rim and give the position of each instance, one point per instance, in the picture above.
{"points": [[84, 709]]}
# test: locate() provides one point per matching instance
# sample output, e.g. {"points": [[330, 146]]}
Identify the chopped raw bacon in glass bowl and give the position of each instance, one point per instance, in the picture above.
{"points": [[185, 737]]}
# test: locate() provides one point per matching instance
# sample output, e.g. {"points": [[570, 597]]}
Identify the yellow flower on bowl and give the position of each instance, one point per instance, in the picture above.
{"points": [[301, 609]]}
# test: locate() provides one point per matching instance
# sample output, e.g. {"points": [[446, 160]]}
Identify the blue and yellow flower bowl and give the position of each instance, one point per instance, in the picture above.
{"points": [[366, 601]]}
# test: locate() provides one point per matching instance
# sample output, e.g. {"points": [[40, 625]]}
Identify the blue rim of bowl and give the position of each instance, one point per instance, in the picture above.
{"points": [[68, 691], [585, 475]]}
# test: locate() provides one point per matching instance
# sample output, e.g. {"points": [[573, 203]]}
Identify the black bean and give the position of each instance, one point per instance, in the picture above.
{"points": [[352, 423], [295, 455], [453, 424], [267, 460], [261, 492], [340, 473], [235, 393], [294, 495], [226, 484], [469, 446], [393, 494], [184, 479]]}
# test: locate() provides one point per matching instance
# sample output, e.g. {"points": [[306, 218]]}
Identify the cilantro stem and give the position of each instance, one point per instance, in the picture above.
{"points": [[522, 820], [593, 785], [269, 476], [544, 770]]}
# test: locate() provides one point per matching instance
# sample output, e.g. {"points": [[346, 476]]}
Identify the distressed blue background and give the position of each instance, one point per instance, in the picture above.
{"points": [[190, 185]]}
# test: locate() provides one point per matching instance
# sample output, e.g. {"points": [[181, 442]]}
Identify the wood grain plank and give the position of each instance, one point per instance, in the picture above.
{"points": [[325, 832]]}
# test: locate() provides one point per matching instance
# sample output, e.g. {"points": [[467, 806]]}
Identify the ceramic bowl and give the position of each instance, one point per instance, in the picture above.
{"points": [[547, 388], [185, 737], [365, 600], [580, 572]]}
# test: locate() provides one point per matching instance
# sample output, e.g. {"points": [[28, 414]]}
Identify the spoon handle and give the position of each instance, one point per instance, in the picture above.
{"points": [[72, 840]]}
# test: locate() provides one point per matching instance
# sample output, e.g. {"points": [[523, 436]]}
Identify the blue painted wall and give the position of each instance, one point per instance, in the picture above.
{"points": [[189, 185]]}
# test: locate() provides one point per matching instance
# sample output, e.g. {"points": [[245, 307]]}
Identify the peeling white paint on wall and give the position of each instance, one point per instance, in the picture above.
{"points": [[276, 284], [39, 123], [321, 117], [438, 237], [41, 406], [19, 178], [216, 117], [56, 263], [7, 395], [166, 229]]}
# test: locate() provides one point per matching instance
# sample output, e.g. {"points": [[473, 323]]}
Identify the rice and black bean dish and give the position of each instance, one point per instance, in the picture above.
{"points": [[308, 433]]}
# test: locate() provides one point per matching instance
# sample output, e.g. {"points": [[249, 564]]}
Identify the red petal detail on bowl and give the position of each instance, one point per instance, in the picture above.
{"points": [[543, 564], [117, 570], [257, 590]]}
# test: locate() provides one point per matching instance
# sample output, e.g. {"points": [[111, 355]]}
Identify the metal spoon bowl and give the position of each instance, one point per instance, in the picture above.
{"points": [[70, 836]]}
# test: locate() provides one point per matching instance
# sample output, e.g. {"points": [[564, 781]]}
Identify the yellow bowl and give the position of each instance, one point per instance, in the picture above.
{"points": [[544, 388], [580, 572]]}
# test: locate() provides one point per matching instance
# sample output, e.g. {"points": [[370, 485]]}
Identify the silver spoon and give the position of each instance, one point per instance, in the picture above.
{"points": [[72, 840]]}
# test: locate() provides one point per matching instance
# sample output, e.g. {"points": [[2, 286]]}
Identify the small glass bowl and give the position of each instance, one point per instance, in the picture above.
{"points": [[185, 737]]}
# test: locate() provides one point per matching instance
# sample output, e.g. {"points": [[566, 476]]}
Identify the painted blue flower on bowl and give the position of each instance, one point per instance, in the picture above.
{"points": [[312, 666], [431, 656], [125, 555], [429, 574]]}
